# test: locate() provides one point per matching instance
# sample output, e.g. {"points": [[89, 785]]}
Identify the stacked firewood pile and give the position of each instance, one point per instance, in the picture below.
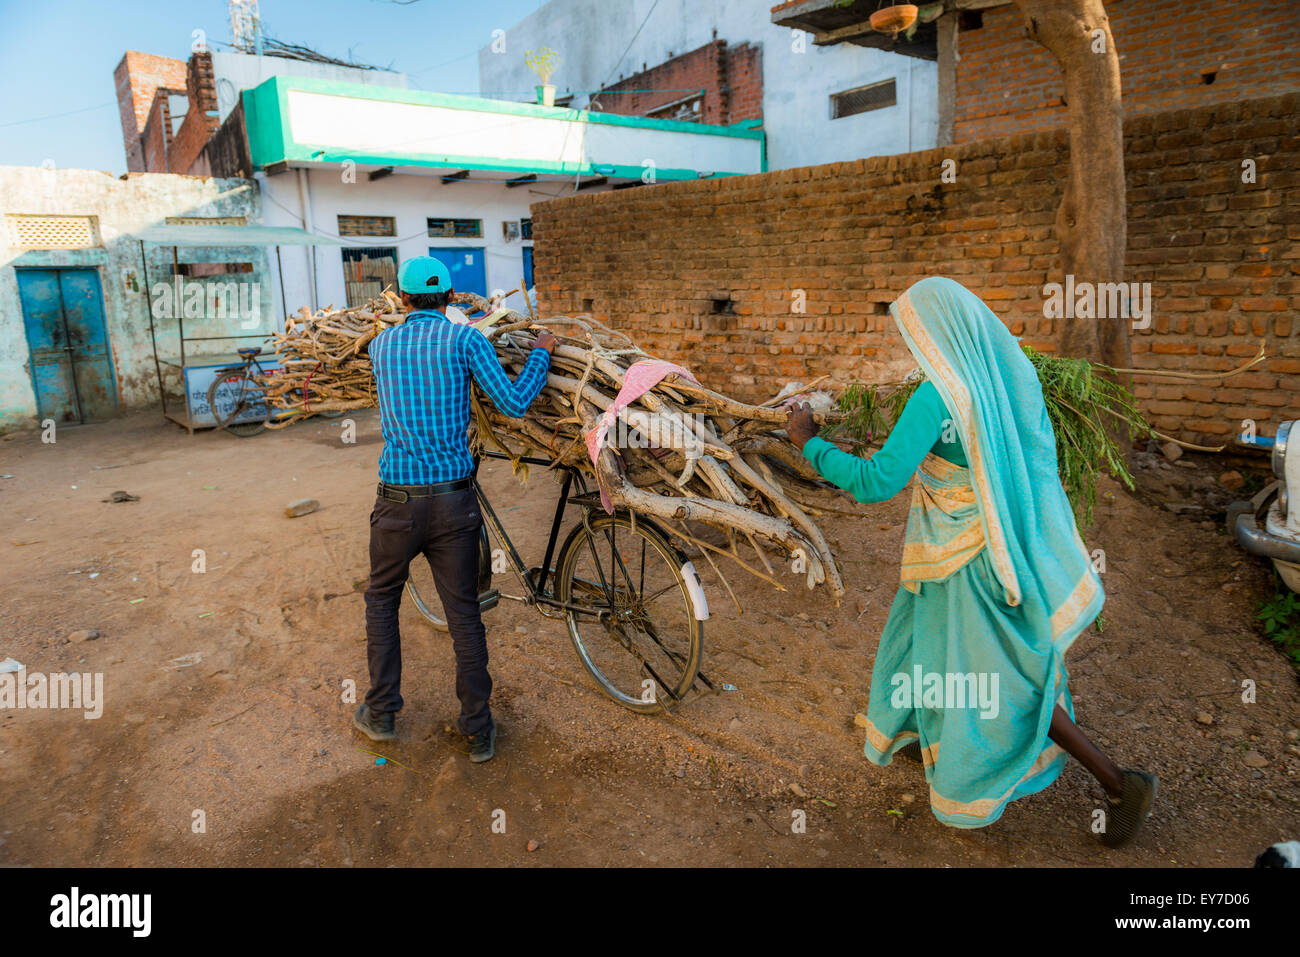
{"points": [[323, 359], [717, 472]]}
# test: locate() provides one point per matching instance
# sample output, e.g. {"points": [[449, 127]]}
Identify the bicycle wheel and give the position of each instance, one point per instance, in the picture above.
{"points": [[424, 594], [238, 403], [630, 613]]}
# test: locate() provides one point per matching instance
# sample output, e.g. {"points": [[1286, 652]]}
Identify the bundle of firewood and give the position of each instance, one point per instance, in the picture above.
{"points": [[717, 472], [324, 366]]}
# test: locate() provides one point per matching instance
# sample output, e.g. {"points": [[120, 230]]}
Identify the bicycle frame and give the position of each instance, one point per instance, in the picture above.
{"points": [[537, 593], [535, 580], [249, 367]]}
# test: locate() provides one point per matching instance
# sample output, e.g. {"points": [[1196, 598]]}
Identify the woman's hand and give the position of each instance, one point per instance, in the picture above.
{"points": [[799, 424]]}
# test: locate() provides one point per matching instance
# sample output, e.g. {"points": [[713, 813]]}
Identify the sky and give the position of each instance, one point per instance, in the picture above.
{"points": [[57, 99]]}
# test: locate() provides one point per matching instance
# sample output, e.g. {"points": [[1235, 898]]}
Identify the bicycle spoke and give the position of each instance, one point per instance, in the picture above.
{"points": [[663, 591], [595, 558]]}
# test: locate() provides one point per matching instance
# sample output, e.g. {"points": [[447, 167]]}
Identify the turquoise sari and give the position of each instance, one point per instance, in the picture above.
{"points": [[996, 582]]}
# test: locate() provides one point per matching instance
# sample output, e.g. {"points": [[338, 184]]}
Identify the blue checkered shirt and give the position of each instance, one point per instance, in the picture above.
{"points": [[422, 371]]}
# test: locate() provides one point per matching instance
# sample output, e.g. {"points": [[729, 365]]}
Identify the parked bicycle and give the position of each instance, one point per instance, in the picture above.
{"points": [[238, 400], [633, 603]]}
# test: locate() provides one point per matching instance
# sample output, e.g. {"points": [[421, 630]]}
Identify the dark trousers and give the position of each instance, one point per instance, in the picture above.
{"points": [[445, 529]]}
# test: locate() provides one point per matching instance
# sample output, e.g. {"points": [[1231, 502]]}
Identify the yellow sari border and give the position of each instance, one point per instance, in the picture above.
{"points": [[877, 739], [984, 807], [942, 487], [940, 467], [1066, 618]]}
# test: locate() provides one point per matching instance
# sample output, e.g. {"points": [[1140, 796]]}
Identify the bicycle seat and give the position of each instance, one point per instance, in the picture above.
{"points": [[249, 351]]}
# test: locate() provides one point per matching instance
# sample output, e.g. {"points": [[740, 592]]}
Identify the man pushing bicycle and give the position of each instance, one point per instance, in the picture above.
{"points": [[426, 501]]}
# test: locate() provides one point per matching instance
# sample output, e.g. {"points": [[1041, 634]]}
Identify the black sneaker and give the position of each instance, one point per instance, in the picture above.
{"points": [[482, 746], [376, 727]]}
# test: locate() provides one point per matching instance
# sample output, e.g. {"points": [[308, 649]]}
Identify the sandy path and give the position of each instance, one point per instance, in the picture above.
{"points": [[251, 730]]}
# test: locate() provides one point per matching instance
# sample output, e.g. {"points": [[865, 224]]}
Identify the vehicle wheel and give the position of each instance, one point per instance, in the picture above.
{"points": [[629, 610], [424, 593], [234, 395]]}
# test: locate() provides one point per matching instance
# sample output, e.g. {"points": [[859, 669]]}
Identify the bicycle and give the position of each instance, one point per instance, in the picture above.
{"points": [[634, 607], [238, 399]]}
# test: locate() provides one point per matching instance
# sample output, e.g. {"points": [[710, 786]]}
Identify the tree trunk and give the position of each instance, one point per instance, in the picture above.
{"points": [[1091, 222]]}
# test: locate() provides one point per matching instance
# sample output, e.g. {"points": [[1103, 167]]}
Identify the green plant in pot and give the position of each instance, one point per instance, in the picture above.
{"points": [[544, 63]]}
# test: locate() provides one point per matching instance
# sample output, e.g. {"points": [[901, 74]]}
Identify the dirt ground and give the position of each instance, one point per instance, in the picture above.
{"points": [[224, 689]]}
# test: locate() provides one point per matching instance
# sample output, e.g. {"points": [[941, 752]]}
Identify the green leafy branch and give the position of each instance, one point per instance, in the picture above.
{"points": [[1087, 406]]}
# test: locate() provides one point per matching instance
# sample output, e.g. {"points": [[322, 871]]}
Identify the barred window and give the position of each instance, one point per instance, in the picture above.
{"points": [[367, 226], [207, 220], [863, 99], [367, 271], [455, 228]]}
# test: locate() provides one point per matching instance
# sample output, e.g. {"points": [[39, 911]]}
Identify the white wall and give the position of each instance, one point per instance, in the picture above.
{"points": [[411, 200], [388, 128], [235, 72], [589, 36]]}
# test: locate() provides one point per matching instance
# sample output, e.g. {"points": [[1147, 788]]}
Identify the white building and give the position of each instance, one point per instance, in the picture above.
{"points": [[352, 154], [397, 173], [819, 103]]}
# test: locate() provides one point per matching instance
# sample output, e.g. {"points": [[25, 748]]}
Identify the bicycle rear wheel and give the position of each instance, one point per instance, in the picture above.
{"points": [[424, 593], [630, 613], [238, 403]]}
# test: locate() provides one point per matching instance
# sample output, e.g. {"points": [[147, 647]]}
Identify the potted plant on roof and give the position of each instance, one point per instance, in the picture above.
{"points": [[544, 63]]}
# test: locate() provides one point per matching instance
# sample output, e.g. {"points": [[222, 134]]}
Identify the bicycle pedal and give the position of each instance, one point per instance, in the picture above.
{"points": [[488, 600]]}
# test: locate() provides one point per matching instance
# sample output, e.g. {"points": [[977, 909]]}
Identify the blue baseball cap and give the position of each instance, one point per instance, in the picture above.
{"points": [[423, 274]]}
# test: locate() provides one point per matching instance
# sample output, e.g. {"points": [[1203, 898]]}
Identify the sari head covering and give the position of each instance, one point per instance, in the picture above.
{"points": [[991, 388]]}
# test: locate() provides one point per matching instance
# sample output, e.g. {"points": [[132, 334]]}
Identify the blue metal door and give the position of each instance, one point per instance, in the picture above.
{"points": [[468, 267], [528, 267], [63, 316]]}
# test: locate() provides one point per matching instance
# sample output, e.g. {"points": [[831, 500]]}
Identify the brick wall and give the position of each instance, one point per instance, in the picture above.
{"points": [[1007, 83], [156, 138], [137, 77], [197, 127], [144, 84], [731, 78], [707, 272]]}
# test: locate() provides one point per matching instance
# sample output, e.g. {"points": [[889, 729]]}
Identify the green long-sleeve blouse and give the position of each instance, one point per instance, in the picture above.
{"points": [[925, 426]]}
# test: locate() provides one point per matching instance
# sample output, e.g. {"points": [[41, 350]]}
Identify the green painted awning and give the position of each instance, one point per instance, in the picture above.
{"points": [[232, 236], [305, 122]]}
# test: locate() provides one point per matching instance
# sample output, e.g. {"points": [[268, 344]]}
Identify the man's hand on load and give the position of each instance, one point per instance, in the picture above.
{"points": [[799, 424], [545, 341]]}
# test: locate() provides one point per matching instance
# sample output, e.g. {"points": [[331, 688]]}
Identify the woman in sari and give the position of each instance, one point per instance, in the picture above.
{"points": [[995, 584]]}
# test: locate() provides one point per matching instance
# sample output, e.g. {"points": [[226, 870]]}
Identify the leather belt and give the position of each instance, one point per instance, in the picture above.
{"points": [[404, 493]]}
